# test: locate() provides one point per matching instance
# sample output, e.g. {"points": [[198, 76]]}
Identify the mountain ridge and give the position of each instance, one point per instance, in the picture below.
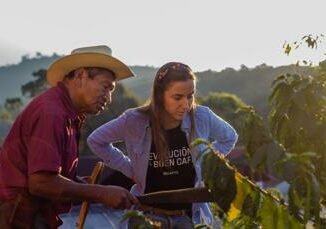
{"points": [[252, 85]]}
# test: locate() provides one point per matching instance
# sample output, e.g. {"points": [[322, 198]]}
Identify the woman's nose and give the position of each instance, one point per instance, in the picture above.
{"points": [[185, 104]]}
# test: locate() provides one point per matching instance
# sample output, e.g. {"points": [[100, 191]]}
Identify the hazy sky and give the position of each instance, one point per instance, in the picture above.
{"points": [[204, 34]]}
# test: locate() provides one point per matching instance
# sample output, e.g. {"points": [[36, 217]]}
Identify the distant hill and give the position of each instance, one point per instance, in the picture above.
{"points": [[252, 85], [141, 85], [12, 77]]}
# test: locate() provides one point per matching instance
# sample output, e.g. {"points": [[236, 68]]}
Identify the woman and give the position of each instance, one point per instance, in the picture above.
{"points": [[158, 136]]}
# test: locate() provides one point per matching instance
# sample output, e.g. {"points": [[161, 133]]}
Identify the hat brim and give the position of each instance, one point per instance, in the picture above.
{"points": [[60, 68]]}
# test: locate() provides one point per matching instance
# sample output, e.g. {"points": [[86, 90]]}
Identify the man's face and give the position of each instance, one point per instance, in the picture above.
{"points": [[96, 92]]}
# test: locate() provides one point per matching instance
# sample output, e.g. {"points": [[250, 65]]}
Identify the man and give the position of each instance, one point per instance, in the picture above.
{"points": [[39, 157]]}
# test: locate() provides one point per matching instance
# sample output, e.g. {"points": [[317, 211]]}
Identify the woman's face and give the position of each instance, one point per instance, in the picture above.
{"points": [[177, 98]]}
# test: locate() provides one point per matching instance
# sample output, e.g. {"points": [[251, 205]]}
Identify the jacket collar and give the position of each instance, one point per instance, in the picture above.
{"points": [[186, 123]]}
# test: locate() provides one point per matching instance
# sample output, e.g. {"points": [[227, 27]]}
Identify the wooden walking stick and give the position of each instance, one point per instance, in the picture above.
{"points": [[84, 208]]}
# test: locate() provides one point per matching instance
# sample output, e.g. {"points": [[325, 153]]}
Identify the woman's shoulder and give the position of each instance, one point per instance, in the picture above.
{"points": [[136, 119], [203, 113], [202, 110], [137, 114]]}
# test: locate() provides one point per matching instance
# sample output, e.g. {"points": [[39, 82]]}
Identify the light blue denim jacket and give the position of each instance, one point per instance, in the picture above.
{"points": [[133, 128]]}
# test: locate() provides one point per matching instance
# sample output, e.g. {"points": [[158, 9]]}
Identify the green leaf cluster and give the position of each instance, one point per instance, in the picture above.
{"points": [[224, 188], [310, 41], [36, 86], [233, 192]]}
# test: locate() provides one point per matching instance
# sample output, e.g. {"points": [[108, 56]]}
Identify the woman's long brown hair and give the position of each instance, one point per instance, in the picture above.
{"points": [[168, 73]]}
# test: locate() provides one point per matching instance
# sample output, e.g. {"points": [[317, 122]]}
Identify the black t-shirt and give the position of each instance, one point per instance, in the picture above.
{"points": [[176, 172]]}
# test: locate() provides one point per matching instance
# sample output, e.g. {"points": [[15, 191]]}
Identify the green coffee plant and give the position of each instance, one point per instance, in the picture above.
{"points": [[245, 205]]}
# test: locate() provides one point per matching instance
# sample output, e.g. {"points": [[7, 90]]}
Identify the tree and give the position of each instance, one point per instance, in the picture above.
{"points": [[243, 204], [5, 117], [222, 103], [36, 86], [13, 106], [298, 123]]}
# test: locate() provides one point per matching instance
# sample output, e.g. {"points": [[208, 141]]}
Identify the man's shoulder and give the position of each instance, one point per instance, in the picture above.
{"points": [[48, 103]]}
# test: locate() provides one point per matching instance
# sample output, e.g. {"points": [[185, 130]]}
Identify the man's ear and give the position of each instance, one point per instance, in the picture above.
{"points": [[80, 74]]}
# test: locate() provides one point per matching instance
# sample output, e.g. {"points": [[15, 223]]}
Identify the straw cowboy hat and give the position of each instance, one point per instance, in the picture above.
{"points": [[93, 56]]}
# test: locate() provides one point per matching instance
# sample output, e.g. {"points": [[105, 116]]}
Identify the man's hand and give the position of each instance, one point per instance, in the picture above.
{"points": [[56, 187], [117, 197]]}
